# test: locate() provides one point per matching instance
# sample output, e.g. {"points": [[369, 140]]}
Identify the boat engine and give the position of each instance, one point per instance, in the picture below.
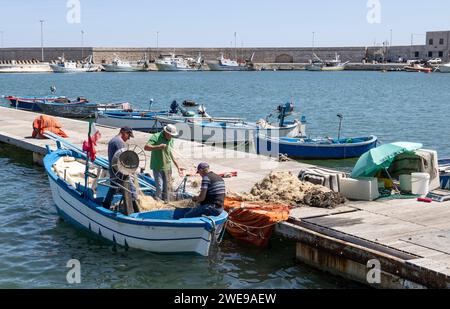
{"points": [[174, 108], [284, 111]]}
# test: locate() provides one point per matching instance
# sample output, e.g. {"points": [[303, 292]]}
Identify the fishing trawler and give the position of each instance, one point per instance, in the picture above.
{"points": [[177, 63], [227, 64], [117, 65], [328, 65], [68, 66]]}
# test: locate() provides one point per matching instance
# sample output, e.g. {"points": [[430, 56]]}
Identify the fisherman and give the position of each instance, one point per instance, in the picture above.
{"points": [[161, 146], [212, 194], [116, 179]]}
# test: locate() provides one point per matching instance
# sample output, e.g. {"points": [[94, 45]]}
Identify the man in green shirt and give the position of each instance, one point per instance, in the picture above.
{"points": [[161, 145]]}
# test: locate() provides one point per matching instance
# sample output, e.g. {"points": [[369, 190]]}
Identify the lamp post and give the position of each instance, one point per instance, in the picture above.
{"points": [[42, 39], [1, 39], [157, 43], [82, 44], [313, 40], [235, 46]]}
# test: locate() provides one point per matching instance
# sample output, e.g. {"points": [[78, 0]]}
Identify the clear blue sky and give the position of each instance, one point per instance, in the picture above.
{"points": [[212, 23]]}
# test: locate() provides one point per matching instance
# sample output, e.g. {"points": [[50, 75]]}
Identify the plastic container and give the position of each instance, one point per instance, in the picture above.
{"points": [[420, 183], [405, 183]]}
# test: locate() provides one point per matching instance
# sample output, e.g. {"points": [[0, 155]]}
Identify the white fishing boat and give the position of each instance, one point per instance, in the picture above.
{"points": [[118, 65], [177, 63], [24, 66], [212, 130], [137, 120], [68, 66], [328, 65], [227, 64], [79, 202]]}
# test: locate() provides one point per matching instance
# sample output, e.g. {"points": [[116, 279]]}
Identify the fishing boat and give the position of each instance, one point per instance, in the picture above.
{"points": [[177, 63], [207, 129], [67, 66], [314, 149], [137, 120], [227, 64], [79, 202], [118, 65], [327, 65], [29, 103], [24, 66], [80, 108], [416, 68]]}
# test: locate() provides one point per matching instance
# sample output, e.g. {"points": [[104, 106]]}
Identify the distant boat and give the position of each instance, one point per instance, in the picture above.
{"points": [[416, 67], [327, 65], [315, 149], [118, 65], [67, 66], [226, 64], [177, 63], [25, 67]]}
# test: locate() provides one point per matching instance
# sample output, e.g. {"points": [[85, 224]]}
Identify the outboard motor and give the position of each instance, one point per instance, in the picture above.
{"points": [[202, 111], [284, 111], [174, 107]]}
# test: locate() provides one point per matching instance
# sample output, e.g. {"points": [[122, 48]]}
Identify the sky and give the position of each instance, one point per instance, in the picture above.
{"points": [[212, 23]]}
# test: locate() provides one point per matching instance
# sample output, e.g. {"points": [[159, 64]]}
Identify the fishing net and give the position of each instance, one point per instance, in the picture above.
{"points": [[286, 188]]}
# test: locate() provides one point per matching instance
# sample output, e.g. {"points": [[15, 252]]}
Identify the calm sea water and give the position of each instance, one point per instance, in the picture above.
{"points": [[36, 245]]}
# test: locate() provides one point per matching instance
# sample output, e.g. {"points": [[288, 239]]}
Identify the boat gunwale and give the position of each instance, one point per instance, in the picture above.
{"points": [[372, 139]]}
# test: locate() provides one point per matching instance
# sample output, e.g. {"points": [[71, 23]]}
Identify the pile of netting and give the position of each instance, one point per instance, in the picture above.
{"points": [[286, 188]]}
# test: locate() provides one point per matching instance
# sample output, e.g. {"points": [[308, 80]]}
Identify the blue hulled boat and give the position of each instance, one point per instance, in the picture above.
{"points": [[305, 148], [29, 103]]}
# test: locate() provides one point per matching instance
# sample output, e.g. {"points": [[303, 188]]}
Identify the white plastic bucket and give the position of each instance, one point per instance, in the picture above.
{"points": [[420, 183], [405, 183]]}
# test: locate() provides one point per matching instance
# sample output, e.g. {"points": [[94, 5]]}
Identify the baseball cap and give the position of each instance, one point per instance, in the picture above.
{"points": [[202, 166]]}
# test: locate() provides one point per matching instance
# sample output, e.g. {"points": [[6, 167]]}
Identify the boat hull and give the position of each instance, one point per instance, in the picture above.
{"points": [[216, 66], [163, 235], [294, 148], [28, 103], [173, 68], [59, 69], [133, 120], [115, 68], [68, 110], [444, 69], [232, 132]]}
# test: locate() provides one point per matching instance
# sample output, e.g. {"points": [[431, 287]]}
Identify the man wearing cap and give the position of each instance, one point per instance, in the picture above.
{"points": [[115, 144], [212, 194], [161, 145]]}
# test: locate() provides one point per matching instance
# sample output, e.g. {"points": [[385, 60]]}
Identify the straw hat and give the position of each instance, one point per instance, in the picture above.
{"points": [[171, 130]]}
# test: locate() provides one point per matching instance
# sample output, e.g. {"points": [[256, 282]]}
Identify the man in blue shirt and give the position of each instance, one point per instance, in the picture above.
{"points": [[115, 144], [212, 194]]}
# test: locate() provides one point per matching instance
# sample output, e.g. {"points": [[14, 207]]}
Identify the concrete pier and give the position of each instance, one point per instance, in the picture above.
{"points": [[384, 244]]}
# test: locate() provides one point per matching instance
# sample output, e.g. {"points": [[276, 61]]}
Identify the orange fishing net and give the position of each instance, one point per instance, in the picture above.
{"points": [[254, 222]]}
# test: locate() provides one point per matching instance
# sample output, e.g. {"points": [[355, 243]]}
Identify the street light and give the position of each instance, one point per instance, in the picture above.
{"points": [[235, 46], [42, 39], [1, 39], [157, 43], [82, 44], [313, 40]]}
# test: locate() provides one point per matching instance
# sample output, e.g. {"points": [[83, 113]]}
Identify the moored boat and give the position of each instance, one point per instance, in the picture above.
{"points": [[327, 65], [80, 108], [67, 66], [118, 65], [137, 120], [305, 148], [161, 231], [28, 103], [444, 68], [417, 68], [177, 63], [226, 64]]}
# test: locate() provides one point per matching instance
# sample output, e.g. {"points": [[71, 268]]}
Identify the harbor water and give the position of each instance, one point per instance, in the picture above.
{"points": [[36, 245]]}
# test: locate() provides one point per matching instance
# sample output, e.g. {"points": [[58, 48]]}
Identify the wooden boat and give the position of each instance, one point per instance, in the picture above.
{"points": [[28, 103], [162, 231], [78, 109], [304, 148], [137, 120]]}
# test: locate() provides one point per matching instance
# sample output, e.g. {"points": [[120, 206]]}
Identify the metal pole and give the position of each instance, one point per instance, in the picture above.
{"points": [[390, 43], [313, 40], [1, 39], [42, 39], [157, 43], [235, 46], [82, 44]]}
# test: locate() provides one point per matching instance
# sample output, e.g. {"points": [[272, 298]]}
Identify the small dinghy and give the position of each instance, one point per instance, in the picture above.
{"points": [[161, 231], [311, 149], [190, 103]]}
